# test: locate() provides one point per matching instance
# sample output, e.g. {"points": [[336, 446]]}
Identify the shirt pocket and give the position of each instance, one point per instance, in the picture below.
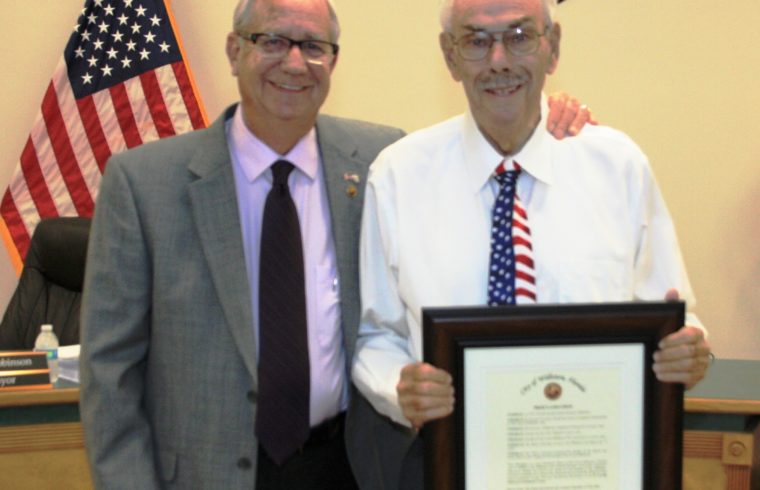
{"points": [[594, 281]]}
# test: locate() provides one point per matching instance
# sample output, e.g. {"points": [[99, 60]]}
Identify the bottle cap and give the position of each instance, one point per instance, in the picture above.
{"points": [[47, 327]]}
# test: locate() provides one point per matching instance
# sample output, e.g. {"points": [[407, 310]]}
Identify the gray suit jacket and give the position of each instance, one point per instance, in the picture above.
{"points": [[168, 365]]}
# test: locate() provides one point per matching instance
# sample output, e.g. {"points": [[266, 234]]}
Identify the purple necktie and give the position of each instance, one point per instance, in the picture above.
{"points": [[282, 419]]}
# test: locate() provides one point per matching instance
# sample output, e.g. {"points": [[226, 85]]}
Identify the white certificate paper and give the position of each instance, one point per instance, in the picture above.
{"points": [[565, 417]]}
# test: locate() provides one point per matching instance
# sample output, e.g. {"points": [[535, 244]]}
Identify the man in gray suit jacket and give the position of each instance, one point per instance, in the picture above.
{"points": [[169, 325], [170, 321]]}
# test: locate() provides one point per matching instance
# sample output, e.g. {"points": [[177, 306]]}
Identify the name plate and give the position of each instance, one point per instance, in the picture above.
{"points": [[24, 371]]}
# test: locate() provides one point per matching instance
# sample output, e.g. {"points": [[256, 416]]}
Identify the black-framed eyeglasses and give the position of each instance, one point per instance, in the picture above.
{"points": [[277, 46], [520, 41]]}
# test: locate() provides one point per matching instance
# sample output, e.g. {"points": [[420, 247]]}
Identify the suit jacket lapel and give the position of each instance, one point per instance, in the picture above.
{"points": [[345, 176], [215, 211]]}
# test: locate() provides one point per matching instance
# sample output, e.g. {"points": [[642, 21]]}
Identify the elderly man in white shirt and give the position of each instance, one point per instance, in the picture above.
{"points": [[598, 228]]}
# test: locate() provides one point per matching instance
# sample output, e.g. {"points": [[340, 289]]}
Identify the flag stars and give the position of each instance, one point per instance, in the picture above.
{"points": [[502, 271], [109, 48]]}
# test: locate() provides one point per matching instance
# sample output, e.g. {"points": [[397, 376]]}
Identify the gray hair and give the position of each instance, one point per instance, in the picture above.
{"points": [[243, 15], [447, 8]]}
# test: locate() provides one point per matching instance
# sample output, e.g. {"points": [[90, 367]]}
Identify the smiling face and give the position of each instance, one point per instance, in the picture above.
{"points": [[287, 90], [503, 90]]}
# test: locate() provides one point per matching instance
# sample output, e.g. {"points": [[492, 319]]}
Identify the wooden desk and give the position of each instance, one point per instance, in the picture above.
{"points": [[42, 444], [722, 429], [41, 440]]}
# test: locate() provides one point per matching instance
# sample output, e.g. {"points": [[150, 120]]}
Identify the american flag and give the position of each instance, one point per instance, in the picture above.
{"points": [[121, 82]]}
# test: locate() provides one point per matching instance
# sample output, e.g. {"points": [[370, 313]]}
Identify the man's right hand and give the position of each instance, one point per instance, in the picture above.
{"points": [[567, 115], [424, 393]]}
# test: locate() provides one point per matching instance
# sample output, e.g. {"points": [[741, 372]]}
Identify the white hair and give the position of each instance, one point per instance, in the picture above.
{"points": [[244, 9], [447, 8]]}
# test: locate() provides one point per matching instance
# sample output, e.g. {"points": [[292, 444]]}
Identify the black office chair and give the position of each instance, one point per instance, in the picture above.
{"points": [[50, 287]]}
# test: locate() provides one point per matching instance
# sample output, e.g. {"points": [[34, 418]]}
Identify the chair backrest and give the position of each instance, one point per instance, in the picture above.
{"points": [[50, 286]]}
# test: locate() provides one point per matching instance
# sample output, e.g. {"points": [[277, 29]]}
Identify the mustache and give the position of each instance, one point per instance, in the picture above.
{"points": [[501, 81]]}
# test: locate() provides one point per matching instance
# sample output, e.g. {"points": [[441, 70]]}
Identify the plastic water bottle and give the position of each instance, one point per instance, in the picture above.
{"points": [[47, 342]]}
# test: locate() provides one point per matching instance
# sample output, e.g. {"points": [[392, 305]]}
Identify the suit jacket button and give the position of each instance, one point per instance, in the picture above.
{"points": [[251, 396], [244, 464]]}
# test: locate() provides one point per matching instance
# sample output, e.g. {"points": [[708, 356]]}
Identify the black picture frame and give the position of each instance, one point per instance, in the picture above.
{"points": [[449, 331]]}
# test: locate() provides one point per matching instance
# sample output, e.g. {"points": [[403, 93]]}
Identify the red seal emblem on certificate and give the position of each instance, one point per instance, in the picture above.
{"points": [[553, 391]]}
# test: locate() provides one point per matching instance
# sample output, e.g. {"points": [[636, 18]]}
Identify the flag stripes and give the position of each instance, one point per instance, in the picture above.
{"points": [[63, 154], [155, 105], [93, 130], [186, 91], [525, 280], [60, 167], [125, 116]]}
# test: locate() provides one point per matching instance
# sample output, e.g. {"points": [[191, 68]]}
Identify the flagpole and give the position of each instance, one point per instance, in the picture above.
{"points": [[10, 247]]}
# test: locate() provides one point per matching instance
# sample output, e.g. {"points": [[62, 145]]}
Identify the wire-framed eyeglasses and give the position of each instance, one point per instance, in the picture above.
{"points": [[520, 41]]}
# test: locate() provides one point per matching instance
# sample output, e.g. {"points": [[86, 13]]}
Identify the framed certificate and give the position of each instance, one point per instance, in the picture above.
{"points": [[561, 397]]}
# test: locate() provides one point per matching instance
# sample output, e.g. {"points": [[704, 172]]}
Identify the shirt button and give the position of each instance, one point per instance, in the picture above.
{"points": [[251, 396], [244, 464]]}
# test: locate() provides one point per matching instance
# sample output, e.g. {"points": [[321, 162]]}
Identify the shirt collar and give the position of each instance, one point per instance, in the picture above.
{"points": [[482, 158], [255, 157]]}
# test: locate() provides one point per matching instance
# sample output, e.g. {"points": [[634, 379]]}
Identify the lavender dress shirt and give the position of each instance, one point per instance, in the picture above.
{"points": [[253, 179]]}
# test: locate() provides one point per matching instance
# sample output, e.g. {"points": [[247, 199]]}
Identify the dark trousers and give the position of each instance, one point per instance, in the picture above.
{"points": [[322, 464]]}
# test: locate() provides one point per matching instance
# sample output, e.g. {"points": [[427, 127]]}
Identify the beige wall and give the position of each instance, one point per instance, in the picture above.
{"points": [[679, 76]]}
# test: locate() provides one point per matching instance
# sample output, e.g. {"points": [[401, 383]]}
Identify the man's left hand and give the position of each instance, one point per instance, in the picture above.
{"points": [[683, 357]]}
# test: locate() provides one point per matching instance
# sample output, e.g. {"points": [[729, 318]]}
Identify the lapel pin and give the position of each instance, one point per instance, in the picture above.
{"points": [[352, 191], [348, 177]]}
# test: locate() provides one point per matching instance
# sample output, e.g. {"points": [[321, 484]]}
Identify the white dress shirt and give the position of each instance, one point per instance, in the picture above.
{"points": [[600, 229], [253, 180]]}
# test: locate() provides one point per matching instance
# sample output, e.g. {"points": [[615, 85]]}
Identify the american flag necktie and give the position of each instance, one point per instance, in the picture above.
{"points": [[511, 276]]}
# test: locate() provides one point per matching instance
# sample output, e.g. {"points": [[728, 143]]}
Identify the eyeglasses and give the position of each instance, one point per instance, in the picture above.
{"points": [[520, 41], [276, 46]]}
